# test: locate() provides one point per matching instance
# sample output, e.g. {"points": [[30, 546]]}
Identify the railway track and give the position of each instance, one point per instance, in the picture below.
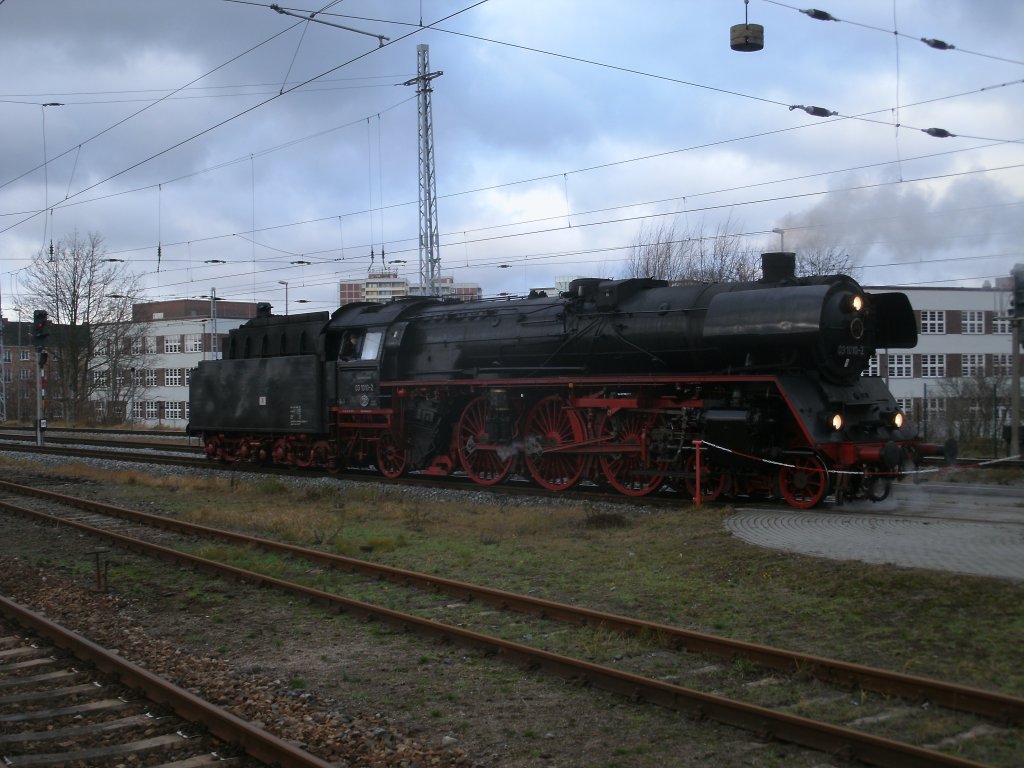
{"points": [[191, 457], [169, 445], [169, 452], [67, 701], [801, 672]]}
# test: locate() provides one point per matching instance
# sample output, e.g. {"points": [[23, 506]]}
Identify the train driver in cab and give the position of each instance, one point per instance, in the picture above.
{"points": [[351, 347]]}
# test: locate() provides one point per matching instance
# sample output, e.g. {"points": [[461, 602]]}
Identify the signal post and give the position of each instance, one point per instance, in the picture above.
{"points": [[40, 332]]}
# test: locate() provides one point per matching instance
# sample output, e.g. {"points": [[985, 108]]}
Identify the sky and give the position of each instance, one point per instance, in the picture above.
{"points": [[220, 145]]}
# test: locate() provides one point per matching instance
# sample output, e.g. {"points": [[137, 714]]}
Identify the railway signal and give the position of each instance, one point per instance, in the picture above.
{"points": [[40, 332], [40, 327]]}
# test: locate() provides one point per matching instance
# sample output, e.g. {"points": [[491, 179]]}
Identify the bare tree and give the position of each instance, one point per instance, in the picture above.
{"points": [[825, 260], [667, 252], [977, 406], [94, 341], [653, 252]]}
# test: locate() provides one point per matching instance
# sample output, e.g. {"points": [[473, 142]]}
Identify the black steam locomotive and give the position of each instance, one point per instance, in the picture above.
{"points": [[750, 388]]}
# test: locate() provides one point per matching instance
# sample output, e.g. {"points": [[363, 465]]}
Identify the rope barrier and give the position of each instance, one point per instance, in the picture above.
{"points": [[782, 464]]}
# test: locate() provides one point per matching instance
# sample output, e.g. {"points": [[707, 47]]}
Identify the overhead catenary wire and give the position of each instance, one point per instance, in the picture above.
{"points": [[814, 111], [234, 117], [939, 45], [935, 132], [695, 194], [620, 220], [147, 107], [527, 180], [381, 207]]}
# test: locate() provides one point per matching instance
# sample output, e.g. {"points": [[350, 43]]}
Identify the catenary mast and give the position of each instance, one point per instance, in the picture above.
{"points": [[430, 251]]}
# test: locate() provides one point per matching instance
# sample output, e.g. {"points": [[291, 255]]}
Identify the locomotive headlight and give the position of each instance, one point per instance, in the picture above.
{"points": [[836, 421], [894, 419], [854, 303]]}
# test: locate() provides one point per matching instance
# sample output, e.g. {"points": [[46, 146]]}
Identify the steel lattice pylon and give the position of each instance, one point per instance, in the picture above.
{"points": [[430, 250]]}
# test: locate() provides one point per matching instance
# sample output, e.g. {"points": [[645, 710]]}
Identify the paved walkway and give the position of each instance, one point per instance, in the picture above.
{"points": [[984, 549]]}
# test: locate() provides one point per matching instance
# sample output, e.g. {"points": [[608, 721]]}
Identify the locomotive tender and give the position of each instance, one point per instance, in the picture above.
{"points": [[750, 388]]}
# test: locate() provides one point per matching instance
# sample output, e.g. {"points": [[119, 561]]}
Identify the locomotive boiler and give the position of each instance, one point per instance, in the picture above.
{"points": [[744, 388]]}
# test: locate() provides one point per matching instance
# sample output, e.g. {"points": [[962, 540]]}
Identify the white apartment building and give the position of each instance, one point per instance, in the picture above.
{"points": [[178, 335], [963, 333]]}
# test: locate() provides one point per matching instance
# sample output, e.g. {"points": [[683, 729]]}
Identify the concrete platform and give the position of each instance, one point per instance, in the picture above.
{"points": [[981, 548]]}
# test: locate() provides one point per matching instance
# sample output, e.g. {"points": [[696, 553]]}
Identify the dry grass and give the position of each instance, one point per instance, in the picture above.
{"points": [[676, 567]]}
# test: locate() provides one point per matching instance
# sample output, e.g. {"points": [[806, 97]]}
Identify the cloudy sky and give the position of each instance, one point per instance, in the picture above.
{"points": [[220, 130]]}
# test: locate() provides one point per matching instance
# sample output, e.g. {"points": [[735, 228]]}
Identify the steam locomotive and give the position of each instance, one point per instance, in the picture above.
{"points": [[745, 388]]}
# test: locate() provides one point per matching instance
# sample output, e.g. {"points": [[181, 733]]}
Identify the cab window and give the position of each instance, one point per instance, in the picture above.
{"points": [[371, 345], [360, 345]]}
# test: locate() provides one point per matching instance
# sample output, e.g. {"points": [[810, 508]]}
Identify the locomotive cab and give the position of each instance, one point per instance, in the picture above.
{"points": [[358, 365], [358, 369]]}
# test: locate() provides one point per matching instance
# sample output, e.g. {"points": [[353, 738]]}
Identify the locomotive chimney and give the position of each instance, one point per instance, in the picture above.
{"points": [[778, 266]]}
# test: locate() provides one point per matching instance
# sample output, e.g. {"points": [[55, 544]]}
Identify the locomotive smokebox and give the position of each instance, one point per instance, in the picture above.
{"points": [[778, 266]]}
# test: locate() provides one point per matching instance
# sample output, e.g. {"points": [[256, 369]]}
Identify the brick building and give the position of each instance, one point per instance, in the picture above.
{"points": [[19, 371]]}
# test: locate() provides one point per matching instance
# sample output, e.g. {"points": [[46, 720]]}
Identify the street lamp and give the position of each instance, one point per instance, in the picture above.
{"points": [[782, 238], [214, 298], [285, 284]]}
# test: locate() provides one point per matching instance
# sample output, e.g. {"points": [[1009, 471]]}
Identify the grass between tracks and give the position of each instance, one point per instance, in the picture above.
{"points": [[676, 567]]}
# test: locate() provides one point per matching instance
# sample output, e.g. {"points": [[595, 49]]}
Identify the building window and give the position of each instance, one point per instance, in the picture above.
{"points": [[905, 404], [172, 410], [901, 366], [23, 374], [24, 355], [101, 378], [172, 344], [149, 377], [7, 355], [1001, 325], [1002, 364], [188, 410], [935, 406], [194, 342], [933, 321], [152, 409], [137, 409], [151, 345], [172, 377], [972, 321], [872, 369], [972, 364], [188, 376], [8, 375], [933, 366]]}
